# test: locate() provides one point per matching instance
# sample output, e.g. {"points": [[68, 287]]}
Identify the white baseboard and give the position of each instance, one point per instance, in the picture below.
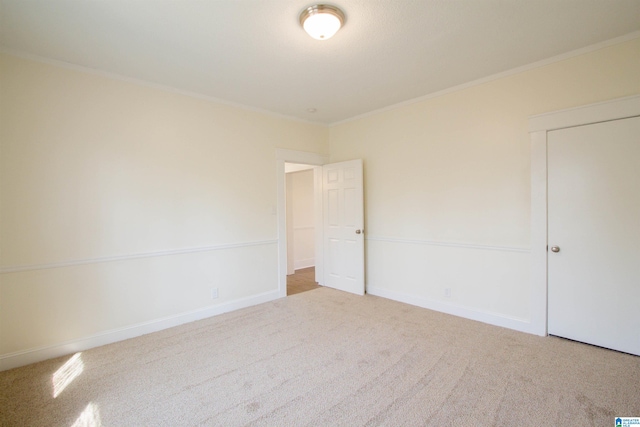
{"points": [[495, 319], [304, 263], [33, 355]]}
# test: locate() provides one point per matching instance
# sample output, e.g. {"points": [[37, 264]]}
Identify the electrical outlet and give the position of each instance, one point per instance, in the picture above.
{"points": [[447, 292], [214, 293]]}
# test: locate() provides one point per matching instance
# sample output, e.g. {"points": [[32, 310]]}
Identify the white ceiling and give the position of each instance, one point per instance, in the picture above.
{"points": [[254, 52]]}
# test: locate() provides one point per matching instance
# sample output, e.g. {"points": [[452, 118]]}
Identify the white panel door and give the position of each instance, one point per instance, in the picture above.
{"points": [[343, 218], [594, 223]]}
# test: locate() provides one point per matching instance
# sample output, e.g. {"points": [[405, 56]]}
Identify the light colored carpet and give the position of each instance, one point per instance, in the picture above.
{"points": [[325, 358]]}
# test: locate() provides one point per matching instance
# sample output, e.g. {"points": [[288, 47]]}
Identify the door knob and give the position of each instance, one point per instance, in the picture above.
{"points": [[555, 248], [359, 231]]}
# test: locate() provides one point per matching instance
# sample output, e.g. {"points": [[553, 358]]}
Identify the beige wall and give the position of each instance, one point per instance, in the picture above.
{"points": [[93, 168], [447, 184]]}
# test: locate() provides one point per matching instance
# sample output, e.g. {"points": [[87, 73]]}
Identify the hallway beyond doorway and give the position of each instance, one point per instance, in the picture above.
{"points": [[303, 280]]}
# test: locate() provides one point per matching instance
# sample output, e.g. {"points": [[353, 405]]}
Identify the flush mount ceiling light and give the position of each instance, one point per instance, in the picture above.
{"points": [[321, 21]]}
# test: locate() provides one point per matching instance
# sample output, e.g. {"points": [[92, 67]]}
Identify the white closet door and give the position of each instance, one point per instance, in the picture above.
{"points": [[594, 223]]}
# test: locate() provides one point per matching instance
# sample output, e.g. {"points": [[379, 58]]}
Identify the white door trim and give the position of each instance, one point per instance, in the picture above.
{"points": [[292, 156], [539, 126]]}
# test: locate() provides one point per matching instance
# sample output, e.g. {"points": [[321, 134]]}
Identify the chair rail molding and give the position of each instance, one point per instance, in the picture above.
{"points": [[72, 263]]}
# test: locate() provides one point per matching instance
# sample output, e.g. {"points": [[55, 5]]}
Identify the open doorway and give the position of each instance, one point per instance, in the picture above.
{"points": [[339, 221], [301, 227], [284, 156]]}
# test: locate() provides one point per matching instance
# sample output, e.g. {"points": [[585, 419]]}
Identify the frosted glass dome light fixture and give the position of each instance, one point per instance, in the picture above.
{"points": [[321, 21]]}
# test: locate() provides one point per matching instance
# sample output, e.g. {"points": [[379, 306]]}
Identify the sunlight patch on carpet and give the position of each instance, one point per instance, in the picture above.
{"points": [[66, 374], [90, 417]]}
